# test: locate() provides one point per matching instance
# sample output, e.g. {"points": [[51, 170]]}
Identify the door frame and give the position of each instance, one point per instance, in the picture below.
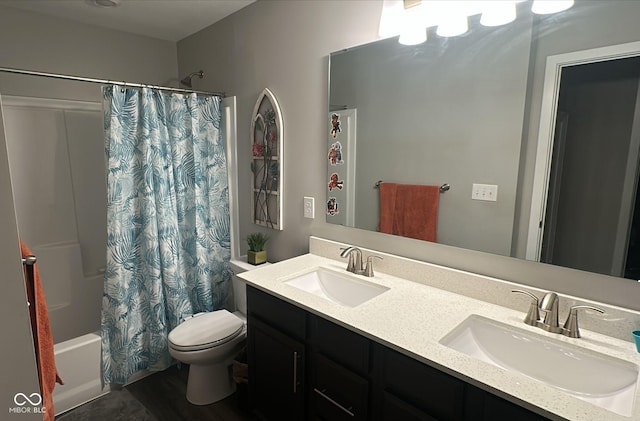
{"points": [[544, 155]]}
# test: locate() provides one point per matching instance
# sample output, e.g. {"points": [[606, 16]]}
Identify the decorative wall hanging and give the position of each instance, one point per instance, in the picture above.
{"points": [[266, 162]]}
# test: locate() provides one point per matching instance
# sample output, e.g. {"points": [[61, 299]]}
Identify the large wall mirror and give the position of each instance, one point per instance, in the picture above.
{"points": [[467, 110]]}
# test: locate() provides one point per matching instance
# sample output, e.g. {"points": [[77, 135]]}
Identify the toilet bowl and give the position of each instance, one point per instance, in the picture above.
{"points": [[208, 342]]}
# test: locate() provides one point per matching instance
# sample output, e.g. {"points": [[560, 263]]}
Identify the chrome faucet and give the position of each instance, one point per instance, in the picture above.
{"points": [[355, 262], [549, 306]]}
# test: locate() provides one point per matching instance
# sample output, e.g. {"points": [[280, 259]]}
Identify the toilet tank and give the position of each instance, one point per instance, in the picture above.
{"points": [[239, 285], [240, 294]]}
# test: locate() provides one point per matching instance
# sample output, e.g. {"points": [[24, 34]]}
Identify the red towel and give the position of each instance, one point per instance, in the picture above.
{"points": [[409, 210], [42, 338]]}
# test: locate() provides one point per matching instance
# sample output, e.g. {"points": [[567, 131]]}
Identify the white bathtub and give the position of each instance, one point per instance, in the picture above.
{"points": [[78, 363]]}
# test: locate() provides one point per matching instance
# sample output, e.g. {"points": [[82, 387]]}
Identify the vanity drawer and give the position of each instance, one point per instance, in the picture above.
{"points": [[340, 344], [285, 317], [439, 395], [397, 409], [337, 393], [484, 406]]}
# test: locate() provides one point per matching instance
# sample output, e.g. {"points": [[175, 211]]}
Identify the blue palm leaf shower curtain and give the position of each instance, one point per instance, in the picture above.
{"points": [[168, 237]]}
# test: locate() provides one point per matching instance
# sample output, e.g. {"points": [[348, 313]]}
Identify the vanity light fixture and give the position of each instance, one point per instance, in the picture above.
{"points": [[498, 13], [544, 7], [453, 25], [411, 18], [414, 32], [413, 35]]}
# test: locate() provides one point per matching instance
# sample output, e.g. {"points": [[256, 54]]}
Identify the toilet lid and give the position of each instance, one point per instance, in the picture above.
{"points": [[206, 330]]}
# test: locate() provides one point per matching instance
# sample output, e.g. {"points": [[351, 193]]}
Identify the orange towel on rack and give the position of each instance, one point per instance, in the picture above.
{"points": [[409, 210], [42, 338]]}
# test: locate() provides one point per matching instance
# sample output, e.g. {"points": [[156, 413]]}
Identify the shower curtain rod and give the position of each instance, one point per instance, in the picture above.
{"points": [[105, 81]]}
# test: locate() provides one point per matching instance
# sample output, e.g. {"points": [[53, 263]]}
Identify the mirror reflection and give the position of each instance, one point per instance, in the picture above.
{"points": [[467, 111]]}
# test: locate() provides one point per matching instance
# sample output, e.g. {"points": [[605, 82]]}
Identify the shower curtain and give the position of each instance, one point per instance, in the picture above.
{"points": [[168, 237]]}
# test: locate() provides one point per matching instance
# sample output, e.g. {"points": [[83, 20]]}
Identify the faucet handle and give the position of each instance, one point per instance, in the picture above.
{"points": [[571, 328], [368, 270], [533, 315]]}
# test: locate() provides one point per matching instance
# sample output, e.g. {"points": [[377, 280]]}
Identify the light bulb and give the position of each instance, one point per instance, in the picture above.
{"points": [[452, 26], [544, 7], [498, 13], [392, 18], [413, 35]]}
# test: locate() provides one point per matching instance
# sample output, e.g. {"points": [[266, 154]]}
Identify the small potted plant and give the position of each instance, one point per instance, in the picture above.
{"points": [[256, 254]]}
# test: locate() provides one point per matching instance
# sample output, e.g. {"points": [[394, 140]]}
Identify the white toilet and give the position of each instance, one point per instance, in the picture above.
{"points": [[209, 342]]}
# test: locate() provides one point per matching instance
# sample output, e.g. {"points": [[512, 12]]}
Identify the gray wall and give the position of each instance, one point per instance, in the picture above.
{"points": [[284, 45], [33, 42]]}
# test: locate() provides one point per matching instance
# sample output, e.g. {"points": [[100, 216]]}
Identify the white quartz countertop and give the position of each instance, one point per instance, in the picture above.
{"points": [[412, 318]]}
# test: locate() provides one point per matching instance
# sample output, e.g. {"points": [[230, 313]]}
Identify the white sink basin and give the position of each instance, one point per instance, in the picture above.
{"points": [[602, 380], [345, 289]]}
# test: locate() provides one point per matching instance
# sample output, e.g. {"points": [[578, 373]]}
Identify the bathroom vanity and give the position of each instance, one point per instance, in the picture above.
{"points": [[393, 357], [306, 367]]}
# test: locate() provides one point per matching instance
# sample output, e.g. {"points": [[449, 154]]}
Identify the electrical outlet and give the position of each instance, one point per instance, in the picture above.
{"points": [[309, 207], [488, 192]]}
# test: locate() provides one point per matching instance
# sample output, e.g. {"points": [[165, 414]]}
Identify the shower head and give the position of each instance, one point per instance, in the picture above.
{"points": [[187, 80]]}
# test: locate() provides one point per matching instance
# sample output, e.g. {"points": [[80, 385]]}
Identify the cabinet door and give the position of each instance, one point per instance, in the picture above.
{"points": [[276, 373], [337, 393]]}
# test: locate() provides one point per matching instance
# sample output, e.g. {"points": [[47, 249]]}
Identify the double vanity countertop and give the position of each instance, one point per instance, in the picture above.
{"points": [[413, 317]]}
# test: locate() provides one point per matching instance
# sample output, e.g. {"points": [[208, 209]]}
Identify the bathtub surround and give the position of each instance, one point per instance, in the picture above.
{"points": [[168, 241]]}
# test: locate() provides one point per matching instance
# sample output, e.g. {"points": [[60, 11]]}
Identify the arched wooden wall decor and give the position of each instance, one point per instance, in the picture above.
{"points": [[266, 162]]}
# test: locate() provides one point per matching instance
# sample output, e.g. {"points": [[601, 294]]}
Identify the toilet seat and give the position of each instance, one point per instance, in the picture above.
{"points": [[206, 330]]}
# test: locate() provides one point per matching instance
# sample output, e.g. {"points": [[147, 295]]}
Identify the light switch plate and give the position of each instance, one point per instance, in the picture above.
{"points": [[309, 207], [487, 192]]}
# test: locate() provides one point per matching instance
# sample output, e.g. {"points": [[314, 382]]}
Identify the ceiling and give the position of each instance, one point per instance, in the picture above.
{"points": [[170, 20]]}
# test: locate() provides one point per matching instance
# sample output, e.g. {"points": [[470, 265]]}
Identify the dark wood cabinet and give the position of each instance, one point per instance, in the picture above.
{"points": [[394, 408], [339, 361], [436, 394], [276, 357], [304, 367], [337, 393], [484, 406], [277, 381]]}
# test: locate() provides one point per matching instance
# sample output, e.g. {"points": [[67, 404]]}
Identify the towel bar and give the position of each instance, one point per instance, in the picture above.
{"points": [[29, 260], [443, 188]]}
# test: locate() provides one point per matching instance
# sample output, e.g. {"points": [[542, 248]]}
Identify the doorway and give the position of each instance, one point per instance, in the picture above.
{"points": [[590, 206]]}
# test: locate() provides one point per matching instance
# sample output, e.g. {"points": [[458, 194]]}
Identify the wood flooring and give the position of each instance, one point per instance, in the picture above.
{"points": [[160, 397]]}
